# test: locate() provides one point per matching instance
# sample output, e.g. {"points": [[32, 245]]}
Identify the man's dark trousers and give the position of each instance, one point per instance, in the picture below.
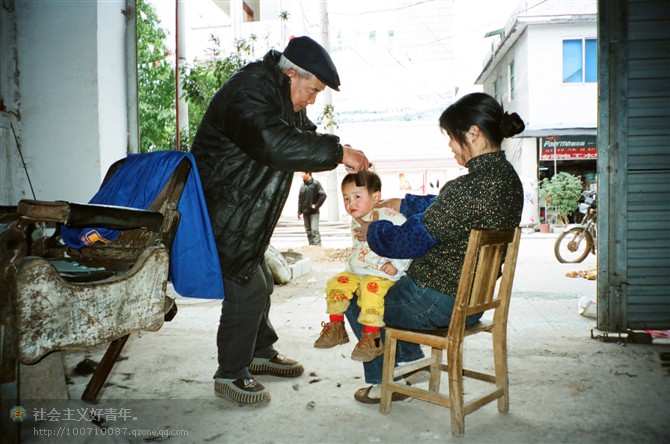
{"points": [[245, 331], [312, 228]]}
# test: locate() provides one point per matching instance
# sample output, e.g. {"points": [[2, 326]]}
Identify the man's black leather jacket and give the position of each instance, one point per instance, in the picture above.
{"points": [[247, 147]]}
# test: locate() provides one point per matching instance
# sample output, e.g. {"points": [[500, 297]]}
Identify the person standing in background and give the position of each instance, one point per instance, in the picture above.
{"points": [[310, 199]]}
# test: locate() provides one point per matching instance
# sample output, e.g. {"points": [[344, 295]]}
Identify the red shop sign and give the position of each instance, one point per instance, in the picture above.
{"points": [[568, 148]]}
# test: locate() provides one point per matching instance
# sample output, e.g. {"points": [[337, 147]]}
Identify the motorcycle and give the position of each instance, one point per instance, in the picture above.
{"points": [[575, 244]]}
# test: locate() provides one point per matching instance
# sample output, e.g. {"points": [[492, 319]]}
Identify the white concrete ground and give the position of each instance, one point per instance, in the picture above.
{"points": [[565, 387]]}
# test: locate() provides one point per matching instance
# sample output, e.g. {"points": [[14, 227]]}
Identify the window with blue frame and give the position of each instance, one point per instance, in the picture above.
{"points": [[580, 63]]}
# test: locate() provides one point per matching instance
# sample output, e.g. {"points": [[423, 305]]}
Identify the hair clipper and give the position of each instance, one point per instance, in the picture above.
{"points": [[359, 177]]}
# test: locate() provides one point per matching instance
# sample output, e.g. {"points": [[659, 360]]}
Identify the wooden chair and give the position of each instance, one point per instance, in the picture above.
{"points": [[476, 294], [53, 297]]}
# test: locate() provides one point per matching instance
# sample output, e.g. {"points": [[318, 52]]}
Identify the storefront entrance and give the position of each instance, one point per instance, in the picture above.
{"points": [[574, 154]]}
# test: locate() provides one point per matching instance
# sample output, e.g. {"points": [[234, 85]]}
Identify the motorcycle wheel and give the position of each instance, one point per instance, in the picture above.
{"points": [[573, 245]]}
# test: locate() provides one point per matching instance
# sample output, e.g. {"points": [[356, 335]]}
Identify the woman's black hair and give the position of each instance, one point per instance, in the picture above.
{"points": [[372, 181], [482, 110]]}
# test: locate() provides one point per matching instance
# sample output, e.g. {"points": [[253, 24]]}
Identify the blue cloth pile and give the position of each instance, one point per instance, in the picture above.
{"points": [[194, 263]]}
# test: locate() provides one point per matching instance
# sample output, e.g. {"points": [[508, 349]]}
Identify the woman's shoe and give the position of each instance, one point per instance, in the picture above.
{"points": [[372, 395]]}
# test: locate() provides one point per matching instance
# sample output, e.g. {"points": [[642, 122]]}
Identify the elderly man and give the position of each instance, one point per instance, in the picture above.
{"points": [[254, 135]]}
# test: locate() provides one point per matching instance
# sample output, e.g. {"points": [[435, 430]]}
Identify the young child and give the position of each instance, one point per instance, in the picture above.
{"points": [[365, 273]]}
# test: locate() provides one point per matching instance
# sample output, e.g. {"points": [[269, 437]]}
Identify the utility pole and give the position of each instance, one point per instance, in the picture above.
{"points": [[182, 106], [331, 184], [236, 11]]}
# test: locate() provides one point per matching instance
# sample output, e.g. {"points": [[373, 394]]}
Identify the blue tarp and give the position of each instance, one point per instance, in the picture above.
{"points": [[194, 263]]}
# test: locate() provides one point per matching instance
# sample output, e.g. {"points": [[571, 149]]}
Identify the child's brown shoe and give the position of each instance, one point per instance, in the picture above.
{"points": [[369, 347], [332, 334]]}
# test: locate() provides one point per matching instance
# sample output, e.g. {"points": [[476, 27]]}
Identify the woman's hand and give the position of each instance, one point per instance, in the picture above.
{"points": [[361, 233], [393, 203]]}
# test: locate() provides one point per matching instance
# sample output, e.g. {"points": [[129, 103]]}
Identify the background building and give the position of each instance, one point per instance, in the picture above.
{"points": [[543, 64], [401, 64]]}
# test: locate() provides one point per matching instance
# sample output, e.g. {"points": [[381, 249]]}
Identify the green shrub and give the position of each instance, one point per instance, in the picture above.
{"points": [[561, 195]]}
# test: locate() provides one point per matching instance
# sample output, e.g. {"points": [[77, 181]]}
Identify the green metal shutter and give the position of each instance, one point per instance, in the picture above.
{"points": [[634, 174]]}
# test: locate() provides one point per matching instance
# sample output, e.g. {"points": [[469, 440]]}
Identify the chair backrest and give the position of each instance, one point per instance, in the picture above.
{"points": [[488, 252]]}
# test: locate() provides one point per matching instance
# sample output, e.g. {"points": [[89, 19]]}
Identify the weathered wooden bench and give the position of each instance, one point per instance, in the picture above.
{"points": [[54, 297]]}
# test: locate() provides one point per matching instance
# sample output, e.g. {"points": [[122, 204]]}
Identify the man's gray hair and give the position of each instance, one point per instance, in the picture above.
{"points": [[285, 64]]}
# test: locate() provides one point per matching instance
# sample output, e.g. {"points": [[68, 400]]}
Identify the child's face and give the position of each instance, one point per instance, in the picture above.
{"points": [[358, 201]]}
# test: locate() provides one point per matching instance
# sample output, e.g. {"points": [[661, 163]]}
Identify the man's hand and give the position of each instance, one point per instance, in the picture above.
{"points": [[299, 216], [361, 233], [393, 203], [354, 160]]}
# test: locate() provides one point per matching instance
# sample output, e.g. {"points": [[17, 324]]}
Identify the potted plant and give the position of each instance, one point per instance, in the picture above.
{"points": [[544, 225], [561, 196]]}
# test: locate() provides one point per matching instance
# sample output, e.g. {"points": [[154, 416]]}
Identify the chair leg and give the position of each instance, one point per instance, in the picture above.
{"points": [[103, 369], [435, 370], [456, 409], [387, 373], [500, 364], [455, 359]]}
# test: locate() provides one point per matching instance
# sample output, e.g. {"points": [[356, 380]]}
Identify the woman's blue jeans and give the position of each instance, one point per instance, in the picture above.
{"points": [[406, 305]]}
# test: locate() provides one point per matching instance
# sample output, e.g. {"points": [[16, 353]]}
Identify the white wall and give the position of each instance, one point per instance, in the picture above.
{"points": [[58, 86], [542, 99], [519, 54], [554, 104], [112, 82], [522, 154], [72, 94]]}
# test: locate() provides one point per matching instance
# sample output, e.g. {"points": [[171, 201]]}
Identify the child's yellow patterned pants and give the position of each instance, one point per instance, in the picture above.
{"points": [[371, 291]]}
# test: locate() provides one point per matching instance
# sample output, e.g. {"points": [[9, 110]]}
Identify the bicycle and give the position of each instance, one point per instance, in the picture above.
{"points": [[575, 244]]}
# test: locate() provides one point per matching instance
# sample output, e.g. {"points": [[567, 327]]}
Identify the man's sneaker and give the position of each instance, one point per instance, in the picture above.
{"points": [[369, 347], [243, 390], [332, 334], [277, 366]]}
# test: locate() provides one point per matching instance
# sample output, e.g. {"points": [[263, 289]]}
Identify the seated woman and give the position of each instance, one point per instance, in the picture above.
{"points": [[437, 229]]}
